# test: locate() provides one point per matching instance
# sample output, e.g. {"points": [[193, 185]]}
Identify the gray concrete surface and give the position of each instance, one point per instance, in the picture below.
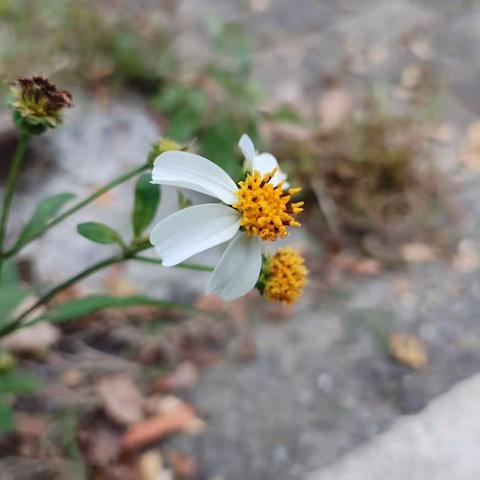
{"points": [[442, 443]]}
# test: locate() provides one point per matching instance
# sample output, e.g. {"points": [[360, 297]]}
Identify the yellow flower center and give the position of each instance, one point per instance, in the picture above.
{"points": [[286, 276], [266, 209]]}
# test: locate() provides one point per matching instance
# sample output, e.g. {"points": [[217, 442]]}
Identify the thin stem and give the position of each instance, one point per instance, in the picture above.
{"points": [[189, 266], [10, 188], [17, 323], [79, 205]]}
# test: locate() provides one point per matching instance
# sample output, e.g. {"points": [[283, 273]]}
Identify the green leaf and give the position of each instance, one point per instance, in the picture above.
{"points": [[99, 233], [10, 274], [19, 382], [46, 210], [80, 307], [10, 298], [147, 199], [6, 415]]}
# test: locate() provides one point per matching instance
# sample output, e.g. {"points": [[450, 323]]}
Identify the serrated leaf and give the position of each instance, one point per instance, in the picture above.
{"points": [[99, 233], [6, 415], [147, 199], [80, 307], [19, 382], [46, 210]]}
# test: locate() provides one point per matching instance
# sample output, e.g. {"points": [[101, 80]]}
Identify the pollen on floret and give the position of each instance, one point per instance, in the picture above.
{"points": [[285, 276], [267, 210]]}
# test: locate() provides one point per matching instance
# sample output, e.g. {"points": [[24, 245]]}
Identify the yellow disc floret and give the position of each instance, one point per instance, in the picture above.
{"points": [[266, 209], [285, 276]]}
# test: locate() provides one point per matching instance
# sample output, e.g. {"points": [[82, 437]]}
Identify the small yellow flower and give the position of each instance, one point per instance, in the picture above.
{"points": [[266, 208], [285, 276], [37, 104]]}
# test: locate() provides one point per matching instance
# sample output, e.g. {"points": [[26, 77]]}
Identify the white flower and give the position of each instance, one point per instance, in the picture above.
{"points": [[263, 162], [260, 209]]}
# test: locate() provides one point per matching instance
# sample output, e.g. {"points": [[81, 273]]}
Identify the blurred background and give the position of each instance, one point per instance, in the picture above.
{"points": [[372, 107]]}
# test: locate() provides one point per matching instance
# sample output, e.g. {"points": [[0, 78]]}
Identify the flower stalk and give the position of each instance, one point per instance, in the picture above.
{"points": [[10, 189]]}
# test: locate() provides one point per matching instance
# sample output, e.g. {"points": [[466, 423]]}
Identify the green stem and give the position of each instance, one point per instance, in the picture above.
{"points": [[10, 189], [129, 254], [18, 322], [189, 266], [79, 205]]}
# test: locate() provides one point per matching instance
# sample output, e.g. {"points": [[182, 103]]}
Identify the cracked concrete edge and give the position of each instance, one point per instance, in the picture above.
{"points": [[441, 442]]}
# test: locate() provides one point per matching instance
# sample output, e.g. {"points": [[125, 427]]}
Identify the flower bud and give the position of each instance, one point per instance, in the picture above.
{"points": [[161, 146], [37, 104], [283, 276]]}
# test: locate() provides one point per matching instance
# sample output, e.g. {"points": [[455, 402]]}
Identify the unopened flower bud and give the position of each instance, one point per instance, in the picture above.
{"points": [[283, 276], [161, 146]]}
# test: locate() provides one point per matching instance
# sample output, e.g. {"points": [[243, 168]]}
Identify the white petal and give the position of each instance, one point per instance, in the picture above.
{"points": [[248, 149], [193, 230], [265, 163], [238, 270], [187, 170]]}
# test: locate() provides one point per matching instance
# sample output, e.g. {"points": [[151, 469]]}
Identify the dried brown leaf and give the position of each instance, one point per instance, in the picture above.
{"points": [[151, 467], [174, 416], [121, 399], [418, 253], [35, 340], [408, 350], [184, 377], [183, 465]]}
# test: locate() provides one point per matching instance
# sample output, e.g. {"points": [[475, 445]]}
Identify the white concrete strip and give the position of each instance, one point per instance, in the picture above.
{"points": [[440, 443]]}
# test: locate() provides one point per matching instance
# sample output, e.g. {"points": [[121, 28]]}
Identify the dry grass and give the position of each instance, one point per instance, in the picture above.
{"points": [[370, 183]]}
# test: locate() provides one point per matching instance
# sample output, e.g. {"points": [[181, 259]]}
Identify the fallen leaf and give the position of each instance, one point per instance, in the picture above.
{"points": [[417, 253], [73, 377], [121, 399], [174, 416], [184, 377], [183, 465], [368, 266], [408, 350], [31, 425], [99, 442], [152, 468], [35, 340]]}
